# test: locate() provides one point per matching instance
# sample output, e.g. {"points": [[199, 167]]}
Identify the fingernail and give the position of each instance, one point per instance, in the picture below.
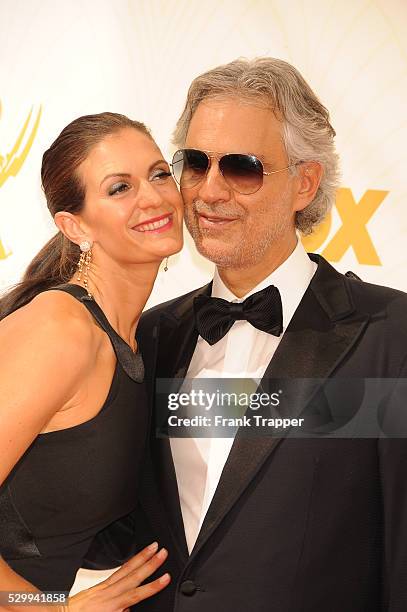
{"points": [[164, 578], [153, 547], [162, 554]]}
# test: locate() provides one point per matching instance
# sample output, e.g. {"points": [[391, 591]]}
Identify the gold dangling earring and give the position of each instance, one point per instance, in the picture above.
{"points": [[166, 265], [84, 263]]}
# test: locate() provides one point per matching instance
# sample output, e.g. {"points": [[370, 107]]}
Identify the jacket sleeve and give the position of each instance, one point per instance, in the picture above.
{"points": [[393, 473]]}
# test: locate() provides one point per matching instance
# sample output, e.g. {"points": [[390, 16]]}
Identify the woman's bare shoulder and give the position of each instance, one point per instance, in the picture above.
{"points": [[49, 346], [50, 317], [59, 305]]}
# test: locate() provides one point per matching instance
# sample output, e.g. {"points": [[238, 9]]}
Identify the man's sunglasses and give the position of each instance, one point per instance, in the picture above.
{"points": [[242, 172]]}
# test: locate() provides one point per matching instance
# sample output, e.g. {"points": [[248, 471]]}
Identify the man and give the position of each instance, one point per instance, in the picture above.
{"points": [[271, 524]]}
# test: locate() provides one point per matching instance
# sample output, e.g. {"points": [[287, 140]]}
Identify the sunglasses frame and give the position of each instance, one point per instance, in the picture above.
{"points": [[218, 156]]}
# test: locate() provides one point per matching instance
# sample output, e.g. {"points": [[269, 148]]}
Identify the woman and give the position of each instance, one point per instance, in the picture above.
{"points": [[73, 412]]}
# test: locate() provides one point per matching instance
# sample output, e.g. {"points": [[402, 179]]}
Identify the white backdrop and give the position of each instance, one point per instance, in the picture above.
{"points": [[139, 56], [60, 60]]}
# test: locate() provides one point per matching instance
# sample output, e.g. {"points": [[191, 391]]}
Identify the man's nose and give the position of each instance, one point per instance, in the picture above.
{"points": [[148, 195], [214, 188]]}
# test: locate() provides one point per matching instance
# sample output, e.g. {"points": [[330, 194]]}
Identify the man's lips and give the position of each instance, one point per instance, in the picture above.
{"points": [[156, 224], [210, 221]]}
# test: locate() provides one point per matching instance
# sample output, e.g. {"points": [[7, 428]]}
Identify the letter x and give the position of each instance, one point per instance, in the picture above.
{"points": [[353, 232]]}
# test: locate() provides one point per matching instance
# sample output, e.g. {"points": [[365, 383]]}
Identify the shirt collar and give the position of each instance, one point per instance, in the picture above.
{"points": [[291, 278]]}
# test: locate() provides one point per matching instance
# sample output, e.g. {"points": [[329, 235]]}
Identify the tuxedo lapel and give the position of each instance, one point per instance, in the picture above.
{"points": [[322, 331], [177, 339]]}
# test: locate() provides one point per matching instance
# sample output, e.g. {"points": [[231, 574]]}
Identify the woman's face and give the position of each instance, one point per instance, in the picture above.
{"points": [[133, 210]]}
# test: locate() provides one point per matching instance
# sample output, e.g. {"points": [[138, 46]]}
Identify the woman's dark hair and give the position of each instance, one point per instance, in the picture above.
{"points": [[64, 191]]}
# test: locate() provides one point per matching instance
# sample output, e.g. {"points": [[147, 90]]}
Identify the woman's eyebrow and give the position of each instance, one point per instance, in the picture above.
{"points": [[127, 175], [121, 174], [159, 161]]}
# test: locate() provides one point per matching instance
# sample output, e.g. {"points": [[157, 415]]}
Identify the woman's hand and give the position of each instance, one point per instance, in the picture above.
{"points": [[121, 590]]}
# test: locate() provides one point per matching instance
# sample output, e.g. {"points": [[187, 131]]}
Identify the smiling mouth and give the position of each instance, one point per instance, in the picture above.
{"points": [[159, 224]]}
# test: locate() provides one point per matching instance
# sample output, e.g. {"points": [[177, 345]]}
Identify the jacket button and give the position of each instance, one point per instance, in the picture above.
{"points": [[188, 587]]}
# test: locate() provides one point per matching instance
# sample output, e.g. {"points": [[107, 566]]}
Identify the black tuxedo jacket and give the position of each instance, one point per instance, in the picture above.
{"points": [[295, 525]]}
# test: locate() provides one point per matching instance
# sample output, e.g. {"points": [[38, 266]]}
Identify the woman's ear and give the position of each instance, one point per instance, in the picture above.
{"points": [[70, 225]]}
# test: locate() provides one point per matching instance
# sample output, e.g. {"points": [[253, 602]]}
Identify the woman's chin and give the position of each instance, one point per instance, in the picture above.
{"points": [[172, 247]]}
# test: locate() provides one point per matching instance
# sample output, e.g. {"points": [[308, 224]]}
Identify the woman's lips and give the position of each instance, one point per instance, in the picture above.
{"points": [[156, 225]]}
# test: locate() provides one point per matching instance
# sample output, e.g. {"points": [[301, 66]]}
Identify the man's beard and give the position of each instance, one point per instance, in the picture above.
{"points": [[253, 245]]}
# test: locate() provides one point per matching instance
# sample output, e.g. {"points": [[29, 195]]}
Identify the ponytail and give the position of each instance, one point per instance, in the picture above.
{"points": [[53, 265]]}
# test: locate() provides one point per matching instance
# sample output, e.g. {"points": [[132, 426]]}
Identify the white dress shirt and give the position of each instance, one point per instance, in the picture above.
{"points": [[244, 352]]}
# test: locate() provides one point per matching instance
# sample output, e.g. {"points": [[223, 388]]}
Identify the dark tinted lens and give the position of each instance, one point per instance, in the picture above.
{"points": [[189, 166], [244, 173]]}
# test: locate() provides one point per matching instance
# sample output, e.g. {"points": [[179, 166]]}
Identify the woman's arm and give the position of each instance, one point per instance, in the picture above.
{"points": [[48, 350], [120, 591], [47, 355]]}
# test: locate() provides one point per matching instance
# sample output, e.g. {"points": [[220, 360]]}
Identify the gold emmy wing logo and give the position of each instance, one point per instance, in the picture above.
{"points": [[10, 165], [353, 232]]}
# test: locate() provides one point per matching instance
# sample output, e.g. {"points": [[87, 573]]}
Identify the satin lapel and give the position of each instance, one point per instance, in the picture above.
{"points": [[177, 339], [322, 331], [177, 336], [161, 452]]}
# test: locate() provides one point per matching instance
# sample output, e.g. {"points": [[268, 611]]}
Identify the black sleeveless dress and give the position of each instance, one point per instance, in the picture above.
{"points": [[74, 482]]}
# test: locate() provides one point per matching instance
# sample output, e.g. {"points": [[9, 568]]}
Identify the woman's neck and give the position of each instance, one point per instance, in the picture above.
{"points": [[122, 293]]}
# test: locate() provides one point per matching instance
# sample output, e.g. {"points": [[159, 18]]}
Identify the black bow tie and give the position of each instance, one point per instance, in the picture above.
{"points": [[214, 316]]}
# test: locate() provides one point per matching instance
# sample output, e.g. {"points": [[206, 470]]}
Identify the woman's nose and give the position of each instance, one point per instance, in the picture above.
{"points": [[148, 195]]}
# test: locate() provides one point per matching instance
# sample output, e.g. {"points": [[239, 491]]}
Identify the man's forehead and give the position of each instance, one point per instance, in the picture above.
{"points": [[233, 124]]}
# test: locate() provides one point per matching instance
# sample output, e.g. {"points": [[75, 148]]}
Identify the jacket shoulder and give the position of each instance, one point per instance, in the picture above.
{"points": [[343, 295], [372, 297], [366, 297]]}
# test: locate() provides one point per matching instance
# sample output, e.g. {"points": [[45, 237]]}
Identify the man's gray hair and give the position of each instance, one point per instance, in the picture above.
{"points": [[307, 132]]}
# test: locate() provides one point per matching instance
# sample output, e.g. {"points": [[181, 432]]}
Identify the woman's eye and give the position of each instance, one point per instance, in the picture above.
{"points": [[118, 188], [160, 175]]}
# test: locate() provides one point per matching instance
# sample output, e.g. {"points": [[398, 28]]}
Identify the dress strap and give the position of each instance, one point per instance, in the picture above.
{"points": [[132, 363]]}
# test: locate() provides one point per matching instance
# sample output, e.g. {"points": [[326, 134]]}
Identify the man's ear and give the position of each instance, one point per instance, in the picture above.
{"points": [[309, 179], [71, 226]]}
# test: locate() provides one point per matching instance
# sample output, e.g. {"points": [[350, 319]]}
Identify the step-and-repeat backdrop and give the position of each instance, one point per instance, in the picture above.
{"points": [[60, 60]]}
